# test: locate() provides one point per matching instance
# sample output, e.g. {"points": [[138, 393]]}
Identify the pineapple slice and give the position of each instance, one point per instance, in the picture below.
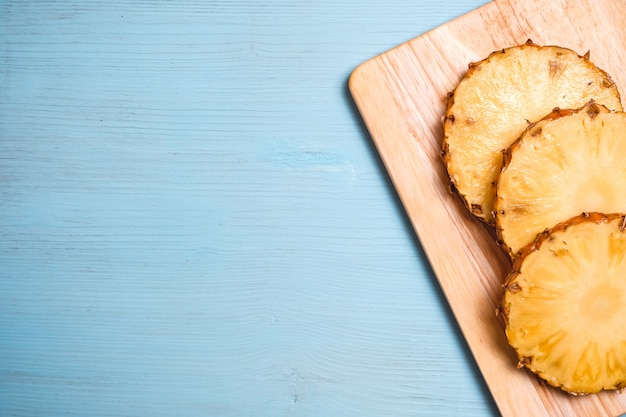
{"points": [[568, 163], [565, 302], [496, 100]]}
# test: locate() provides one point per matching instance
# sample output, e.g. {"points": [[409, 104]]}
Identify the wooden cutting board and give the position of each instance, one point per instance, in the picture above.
{"points": [[401, 97]]}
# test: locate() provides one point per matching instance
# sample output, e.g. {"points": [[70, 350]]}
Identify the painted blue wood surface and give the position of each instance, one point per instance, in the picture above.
{"points": [[194, 220]]}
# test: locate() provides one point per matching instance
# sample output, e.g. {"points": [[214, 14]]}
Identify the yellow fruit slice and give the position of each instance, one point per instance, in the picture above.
{"points": [[498, 98], [565, 304], [566, 164]]}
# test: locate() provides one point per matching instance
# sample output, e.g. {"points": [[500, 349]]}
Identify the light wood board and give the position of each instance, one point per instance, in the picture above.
{"points": [[401, 96]]}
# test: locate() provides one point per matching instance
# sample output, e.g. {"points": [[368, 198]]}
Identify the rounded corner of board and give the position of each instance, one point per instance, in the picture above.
{"points": [[355, 79]]}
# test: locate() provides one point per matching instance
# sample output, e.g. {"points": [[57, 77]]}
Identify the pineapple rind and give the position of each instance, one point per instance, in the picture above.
{"points": [[495, 101], [565, 301]]}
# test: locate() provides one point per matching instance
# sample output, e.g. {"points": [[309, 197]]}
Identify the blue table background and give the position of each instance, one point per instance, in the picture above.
{"points": [[195, 222]]}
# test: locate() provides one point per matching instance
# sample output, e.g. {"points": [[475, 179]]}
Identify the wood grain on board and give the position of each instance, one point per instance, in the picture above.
{"points": [[401, 97]]}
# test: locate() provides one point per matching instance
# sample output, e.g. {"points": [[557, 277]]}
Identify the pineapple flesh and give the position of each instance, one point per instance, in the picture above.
{"points": [[497, 99], [568, 163], [565, 302]]}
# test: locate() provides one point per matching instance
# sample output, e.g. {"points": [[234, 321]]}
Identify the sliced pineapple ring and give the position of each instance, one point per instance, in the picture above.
{"points": [[498, 98], [566, 164], [565, 303]]}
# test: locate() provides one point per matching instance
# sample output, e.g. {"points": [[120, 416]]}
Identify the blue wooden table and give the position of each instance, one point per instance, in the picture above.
{"points": [[195, 222]]}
